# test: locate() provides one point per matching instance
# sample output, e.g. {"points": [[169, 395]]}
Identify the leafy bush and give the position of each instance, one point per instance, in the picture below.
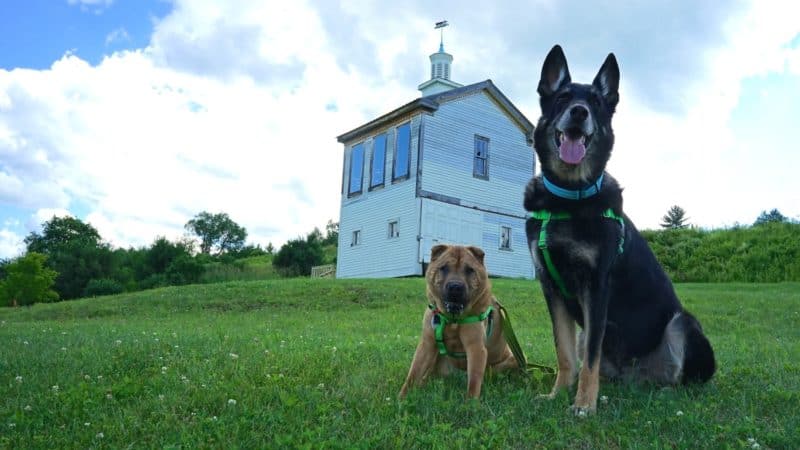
{"points": [[103, 286], [27, 281], [298, 256]]}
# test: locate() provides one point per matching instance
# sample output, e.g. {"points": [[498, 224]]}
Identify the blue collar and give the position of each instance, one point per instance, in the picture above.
{"points": [[570, 194]]}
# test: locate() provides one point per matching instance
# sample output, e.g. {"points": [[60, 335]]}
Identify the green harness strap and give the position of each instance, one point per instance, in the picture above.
{"points": [[546, 216], [441, 319]]}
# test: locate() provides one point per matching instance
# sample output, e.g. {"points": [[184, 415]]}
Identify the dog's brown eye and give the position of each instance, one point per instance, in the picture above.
{"points": [[443, 270], [469, 270]]}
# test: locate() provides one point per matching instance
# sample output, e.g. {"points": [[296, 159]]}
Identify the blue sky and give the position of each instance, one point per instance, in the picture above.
{"points": [[38, 32], [134, 115]]}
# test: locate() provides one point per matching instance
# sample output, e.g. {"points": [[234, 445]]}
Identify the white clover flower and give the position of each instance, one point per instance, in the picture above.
{"points": [[18, 379], [99, 377], [27, 408], [87, 377], [63, 332], [231, 401], [12, 425], [156, 339], [233, 355], [321, 386], [87, 424], [161, 397], [63, 349], [334, 348], [109, 396], [55, 388], [214, 418], [118, 342], [679, 413], [581, 413], [177, 346], [163, 368], [603, 399], [100, 435], [25, 342]]}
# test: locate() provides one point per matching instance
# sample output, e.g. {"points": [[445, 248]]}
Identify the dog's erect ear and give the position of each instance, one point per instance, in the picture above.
{"points": [[555, 72], [478, 253], [607, 81], [437, 251]]}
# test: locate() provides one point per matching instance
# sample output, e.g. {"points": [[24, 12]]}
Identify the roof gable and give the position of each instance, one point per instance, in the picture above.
{"points": [[431, 103]]}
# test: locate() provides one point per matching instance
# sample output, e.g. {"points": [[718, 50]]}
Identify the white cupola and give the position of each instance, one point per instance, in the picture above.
{"points": [[440, 70]]}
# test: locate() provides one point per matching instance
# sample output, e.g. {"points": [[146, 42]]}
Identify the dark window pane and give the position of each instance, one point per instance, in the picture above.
{"points": [[378, 160], [356, 168], [403, 151]]}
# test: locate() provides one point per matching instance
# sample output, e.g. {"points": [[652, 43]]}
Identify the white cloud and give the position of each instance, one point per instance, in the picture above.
{"points": [[117, 35], [11, 244]]}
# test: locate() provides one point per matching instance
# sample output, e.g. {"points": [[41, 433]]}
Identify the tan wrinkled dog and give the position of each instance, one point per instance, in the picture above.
{"points": [[458, 288]]}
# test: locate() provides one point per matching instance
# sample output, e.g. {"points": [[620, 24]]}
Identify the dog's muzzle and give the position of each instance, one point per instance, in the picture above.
{"points": [[455, 297]]}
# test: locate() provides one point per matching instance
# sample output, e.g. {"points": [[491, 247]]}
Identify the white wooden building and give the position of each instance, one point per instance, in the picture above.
{"points": [[448, 167]]}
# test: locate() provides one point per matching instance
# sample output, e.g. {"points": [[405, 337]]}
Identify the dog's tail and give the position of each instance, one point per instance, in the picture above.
{"points": [[698, 362]]}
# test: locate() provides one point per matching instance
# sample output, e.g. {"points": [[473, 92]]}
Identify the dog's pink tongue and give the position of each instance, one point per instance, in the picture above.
{"points": [[571, 151]]}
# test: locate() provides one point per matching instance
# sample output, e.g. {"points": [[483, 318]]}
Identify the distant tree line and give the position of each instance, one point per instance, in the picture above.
{"points": [[68, 259]]}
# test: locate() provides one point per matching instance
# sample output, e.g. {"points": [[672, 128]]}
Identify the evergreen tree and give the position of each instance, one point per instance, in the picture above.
{"points": [[675, 218]]}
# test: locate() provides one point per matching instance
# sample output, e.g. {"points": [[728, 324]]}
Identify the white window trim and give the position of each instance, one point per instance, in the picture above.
{"points": [[510, 234], [389, 230], [356, 238]]}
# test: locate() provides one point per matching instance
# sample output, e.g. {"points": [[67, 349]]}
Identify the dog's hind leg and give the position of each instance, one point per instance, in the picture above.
{"points": [[564, 335], [698, 362]]}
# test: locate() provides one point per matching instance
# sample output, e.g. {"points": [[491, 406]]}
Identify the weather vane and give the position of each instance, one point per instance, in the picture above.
{"points": [[440, 26]]}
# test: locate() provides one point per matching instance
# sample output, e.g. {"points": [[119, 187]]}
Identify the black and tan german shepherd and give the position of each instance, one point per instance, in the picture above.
{"points": [[595, 268]]}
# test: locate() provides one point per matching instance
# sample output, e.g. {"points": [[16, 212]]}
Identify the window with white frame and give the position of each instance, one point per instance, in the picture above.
{"points": [[394, 229], [505, 238], [480, 167], [356, 240]]}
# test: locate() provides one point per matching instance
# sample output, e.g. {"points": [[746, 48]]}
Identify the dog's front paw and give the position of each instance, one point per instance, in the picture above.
{"points": [[582, 411]]}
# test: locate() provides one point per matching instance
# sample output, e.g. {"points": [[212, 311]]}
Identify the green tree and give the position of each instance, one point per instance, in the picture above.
{"points": [[298, 256], [216, 232], [769, 217], [675, 218], [59, 232], [331, 233], [75, 251], [28, 281]]}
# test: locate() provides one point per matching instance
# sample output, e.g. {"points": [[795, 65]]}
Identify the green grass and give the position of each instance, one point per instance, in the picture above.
{"points": [[318, 363]]}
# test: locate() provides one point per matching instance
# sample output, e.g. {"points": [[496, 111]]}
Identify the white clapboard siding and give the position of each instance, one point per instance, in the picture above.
{"points": [[449, 153], [378, 255]]}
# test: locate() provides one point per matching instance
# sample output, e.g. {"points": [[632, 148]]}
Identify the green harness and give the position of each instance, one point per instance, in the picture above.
{"points": [[440, 319], [546, 216]]}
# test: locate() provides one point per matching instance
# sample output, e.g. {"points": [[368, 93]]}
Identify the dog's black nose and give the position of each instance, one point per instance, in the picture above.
{"points": [[578, 113], [455, 289]]}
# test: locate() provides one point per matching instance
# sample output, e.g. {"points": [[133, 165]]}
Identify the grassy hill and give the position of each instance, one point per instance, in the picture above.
{"points": [[318, 363]]}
